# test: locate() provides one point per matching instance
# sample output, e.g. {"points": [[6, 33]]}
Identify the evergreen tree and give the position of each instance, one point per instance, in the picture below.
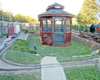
{"points": [[85, 29], [87, 13], [81, 28]]}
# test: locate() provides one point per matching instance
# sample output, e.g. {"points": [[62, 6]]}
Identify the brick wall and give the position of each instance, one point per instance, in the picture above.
{"points": [[88, 43]]}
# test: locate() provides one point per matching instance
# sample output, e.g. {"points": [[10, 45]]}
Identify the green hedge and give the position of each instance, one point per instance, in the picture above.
{"points": [[85, 29], [81, 28]]}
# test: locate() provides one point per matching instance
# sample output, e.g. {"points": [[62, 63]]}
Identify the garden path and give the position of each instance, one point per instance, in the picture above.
{"points": [[51, 71]]}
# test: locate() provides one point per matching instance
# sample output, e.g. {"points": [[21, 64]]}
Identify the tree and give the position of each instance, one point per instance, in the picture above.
{"points": [[30, 19], [20, 18], [81, 28], [85, 29], [88, 11]]}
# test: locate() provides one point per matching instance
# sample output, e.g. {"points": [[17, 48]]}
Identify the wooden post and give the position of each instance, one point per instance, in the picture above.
{"points": [[65, 29], [52, 30], [41, 30], [99, 61], [71, 28]]}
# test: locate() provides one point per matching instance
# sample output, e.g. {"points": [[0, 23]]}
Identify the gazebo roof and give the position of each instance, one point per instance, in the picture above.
{"points": [[56, 12]]}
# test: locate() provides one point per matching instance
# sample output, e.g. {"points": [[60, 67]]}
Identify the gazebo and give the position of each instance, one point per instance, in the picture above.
{"points": [[56, 26]]}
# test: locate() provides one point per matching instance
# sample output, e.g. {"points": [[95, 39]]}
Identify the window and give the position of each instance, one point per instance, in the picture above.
{"points": [[47, 27], [59, 24]]}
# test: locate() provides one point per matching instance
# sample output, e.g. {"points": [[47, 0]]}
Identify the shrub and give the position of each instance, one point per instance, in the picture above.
{"points": [[81, 28], [22, 45], [76, 27], [85, 29], [73, 26]]}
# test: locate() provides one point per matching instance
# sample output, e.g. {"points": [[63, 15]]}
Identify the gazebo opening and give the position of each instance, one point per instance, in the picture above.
{"points": [[55, 26]]}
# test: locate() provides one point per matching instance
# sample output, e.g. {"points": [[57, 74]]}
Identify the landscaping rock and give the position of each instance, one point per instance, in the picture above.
{"points": [[36, 54], [95, 53]]}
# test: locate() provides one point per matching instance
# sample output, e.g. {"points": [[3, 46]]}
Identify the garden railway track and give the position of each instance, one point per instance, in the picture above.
{"points": [[22, 67]]}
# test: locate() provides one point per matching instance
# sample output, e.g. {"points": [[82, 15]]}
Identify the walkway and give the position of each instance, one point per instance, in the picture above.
{"points": [[51, 73]]}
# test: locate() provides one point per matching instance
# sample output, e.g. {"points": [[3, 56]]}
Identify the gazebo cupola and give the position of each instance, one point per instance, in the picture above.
{"points": [[55, 26]]}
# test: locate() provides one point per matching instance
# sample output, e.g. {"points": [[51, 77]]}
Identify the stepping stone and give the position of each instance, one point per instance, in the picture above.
{"points": [[51, 69]]}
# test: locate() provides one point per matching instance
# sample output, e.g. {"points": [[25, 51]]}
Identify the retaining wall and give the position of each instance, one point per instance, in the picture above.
{"points": [[88, 43]]}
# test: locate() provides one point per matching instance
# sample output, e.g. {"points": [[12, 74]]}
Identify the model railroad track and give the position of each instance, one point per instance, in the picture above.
{"points": [[2, 39], [34, 67], [21, 36]]}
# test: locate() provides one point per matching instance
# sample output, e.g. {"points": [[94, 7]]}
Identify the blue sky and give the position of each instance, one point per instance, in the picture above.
{"points": [[35, 7]]}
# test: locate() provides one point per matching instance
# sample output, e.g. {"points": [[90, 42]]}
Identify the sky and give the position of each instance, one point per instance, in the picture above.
{"points": [[35, 7]]}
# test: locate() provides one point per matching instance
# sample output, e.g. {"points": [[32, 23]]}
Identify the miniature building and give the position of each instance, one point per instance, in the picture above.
{"points": [[11, 30], [56, 26]]}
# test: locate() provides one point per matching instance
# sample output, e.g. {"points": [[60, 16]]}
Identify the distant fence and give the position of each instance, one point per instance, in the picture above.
{"points": [[4, 26]]}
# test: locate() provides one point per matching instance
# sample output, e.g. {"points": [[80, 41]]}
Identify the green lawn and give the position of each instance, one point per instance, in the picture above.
{"points": [[25, 76], [63, 54], [82, 73]]}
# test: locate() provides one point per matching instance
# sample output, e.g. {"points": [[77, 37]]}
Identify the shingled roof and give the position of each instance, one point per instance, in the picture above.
{"points": [[55, 10]]}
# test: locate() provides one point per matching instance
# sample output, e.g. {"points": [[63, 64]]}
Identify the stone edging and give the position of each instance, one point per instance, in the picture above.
{"points": [[88, 43]]}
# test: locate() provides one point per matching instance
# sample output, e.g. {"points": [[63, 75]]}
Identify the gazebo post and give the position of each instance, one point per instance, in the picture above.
{"points": [[65, 28], [71, 27], [52, 29], [71, 24], [41, 29]]}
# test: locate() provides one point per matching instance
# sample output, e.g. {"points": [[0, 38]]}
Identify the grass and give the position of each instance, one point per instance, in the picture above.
{"points": [[82, 73], [25, 76], [23, 58], [21, 45], [2, 35], [63, 54]]}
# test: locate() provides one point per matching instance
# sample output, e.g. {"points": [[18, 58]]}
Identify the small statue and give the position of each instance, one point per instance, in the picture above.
{"points": [[35, 48]]}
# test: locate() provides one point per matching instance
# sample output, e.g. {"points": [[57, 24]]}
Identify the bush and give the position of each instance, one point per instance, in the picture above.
{"points": [[81, 28], [85, 29], [73, 26], [22, 45], [76, 27]]}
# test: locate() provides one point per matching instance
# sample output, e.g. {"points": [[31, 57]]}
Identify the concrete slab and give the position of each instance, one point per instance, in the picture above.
{"points": [[51, 69]]}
